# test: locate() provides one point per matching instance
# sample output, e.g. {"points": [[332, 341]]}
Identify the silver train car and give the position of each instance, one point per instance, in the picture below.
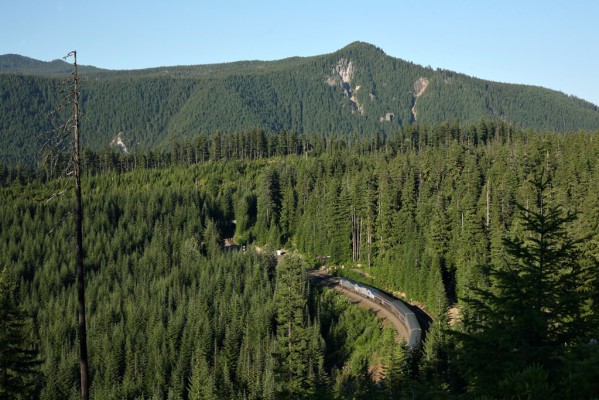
{"points": [[397, 307]]}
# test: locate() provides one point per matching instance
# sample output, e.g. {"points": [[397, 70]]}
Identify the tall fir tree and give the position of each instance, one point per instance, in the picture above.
{"points": [[296, 361], [18, 357], [536, 312]]}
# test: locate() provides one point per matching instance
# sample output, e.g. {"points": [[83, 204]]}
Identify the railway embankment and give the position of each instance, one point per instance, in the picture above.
{"points": [[323, 279]]}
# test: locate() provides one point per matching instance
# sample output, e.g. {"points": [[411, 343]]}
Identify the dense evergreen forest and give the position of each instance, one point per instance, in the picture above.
{"points": [[494, 224], [170, 314], [356, 90]]}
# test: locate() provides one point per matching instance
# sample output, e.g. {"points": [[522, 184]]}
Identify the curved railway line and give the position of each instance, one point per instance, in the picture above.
{"points": [[409, 321]]}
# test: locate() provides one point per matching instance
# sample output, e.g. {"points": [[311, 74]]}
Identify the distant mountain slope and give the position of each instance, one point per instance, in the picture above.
{"points": [[356, 89], [16, 64]]}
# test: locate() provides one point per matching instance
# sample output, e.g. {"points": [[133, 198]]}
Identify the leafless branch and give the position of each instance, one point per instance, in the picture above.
{"points": [[56, 194], [54, 144], [60, 221]]}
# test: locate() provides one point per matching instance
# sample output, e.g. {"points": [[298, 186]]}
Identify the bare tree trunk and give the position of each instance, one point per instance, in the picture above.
{"points": [[369, 239], [488, 203], [360, 240], [353, 235], [79, 237]]}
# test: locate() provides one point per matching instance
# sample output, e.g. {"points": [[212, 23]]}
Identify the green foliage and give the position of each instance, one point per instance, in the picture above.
{"points": [[356, 344], [151, 108], [531, 383], [299, 347], [201, 385], [18, 358], [171, 315], [168, 317], [536, 310], [212, 240]]}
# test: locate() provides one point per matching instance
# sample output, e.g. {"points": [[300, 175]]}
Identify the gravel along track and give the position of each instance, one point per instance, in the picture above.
{"points": [[323, 279]]}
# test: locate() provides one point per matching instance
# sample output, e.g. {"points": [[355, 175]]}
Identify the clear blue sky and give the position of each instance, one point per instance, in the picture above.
{"points": [[547, 43]]}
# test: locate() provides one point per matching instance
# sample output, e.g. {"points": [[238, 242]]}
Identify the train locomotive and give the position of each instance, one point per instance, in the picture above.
{"points": [[397, 307]]}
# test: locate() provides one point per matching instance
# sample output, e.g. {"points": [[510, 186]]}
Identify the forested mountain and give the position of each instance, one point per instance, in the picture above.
{"points": [[356, 90], [16, 64], [489, 221]]}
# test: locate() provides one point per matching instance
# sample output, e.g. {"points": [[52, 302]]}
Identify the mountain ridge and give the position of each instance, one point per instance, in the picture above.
{"points": [[18, 64], [8, 65], [356, 89]]}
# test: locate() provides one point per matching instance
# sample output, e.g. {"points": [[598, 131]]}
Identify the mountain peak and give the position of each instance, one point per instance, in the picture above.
{"points": [[357, 89], [361, 48]]}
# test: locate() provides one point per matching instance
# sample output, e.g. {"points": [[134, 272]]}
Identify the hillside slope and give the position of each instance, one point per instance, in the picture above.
{"points": [[356, 89]]}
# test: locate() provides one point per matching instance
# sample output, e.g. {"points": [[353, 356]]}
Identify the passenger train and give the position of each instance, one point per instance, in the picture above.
{"points": [[397, 307]]}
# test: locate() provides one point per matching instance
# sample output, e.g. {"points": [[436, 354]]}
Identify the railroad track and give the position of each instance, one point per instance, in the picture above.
{"points": [[400, 315]]}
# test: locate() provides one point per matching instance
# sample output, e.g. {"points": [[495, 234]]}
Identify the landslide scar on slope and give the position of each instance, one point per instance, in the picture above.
{"points": [[342, 75], [419, 87]]}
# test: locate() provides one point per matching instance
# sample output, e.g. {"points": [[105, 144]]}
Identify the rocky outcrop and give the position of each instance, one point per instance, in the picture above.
{"points": [[342, 75], [419, 87], [120, 142], [387, 117]]}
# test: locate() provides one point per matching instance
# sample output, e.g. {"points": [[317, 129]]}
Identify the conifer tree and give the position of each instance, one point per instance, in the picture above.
{"points": [[340, 244], [212, 240], [534, 313], [295, 361], [387, 219], [242, 217], [288, 209], [18, 363], [269, 203], [201, 382], [400, 371]]}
